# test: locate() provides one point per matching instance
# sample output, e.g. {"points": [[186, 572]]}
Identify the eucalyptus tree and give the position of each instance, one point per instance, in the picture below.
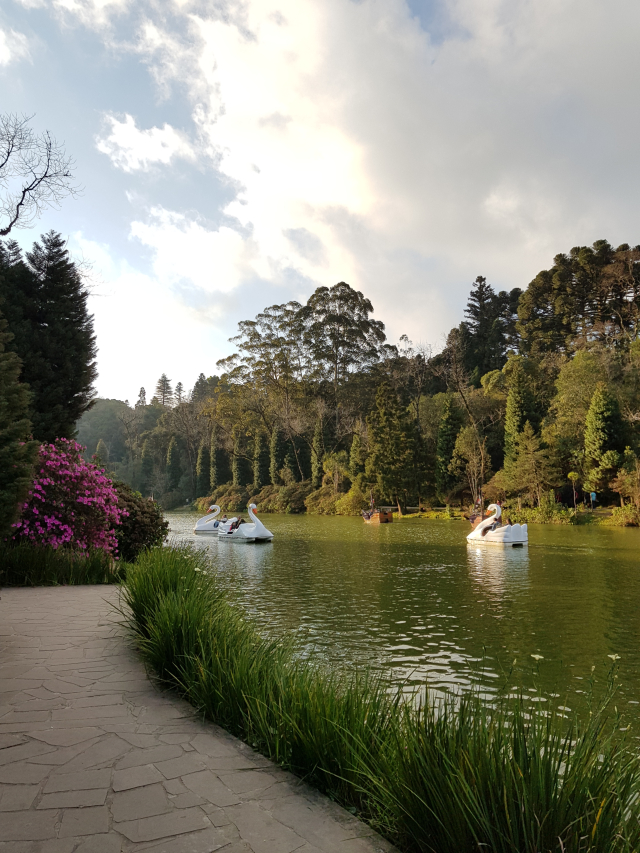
{"points": [[339, 336]]}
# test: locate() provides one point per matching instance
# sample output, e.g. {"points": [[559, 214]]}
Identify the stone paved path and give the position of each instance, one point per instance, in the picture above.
{"points": [[94, 759]]}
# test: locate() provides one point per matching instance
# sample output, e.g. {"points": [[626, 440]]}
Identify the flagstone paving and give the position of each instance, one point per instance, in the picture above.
{"points": [[95, 759]]}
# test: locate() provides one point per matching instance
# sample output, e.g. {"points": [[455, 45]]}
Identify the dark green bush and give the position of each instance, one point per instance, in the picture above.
{"points": [[144, 526]]}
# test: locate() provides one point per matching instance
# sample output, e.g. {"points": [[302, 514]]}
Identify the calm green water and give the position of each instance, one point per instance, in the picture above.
{"points": [[414, 598]]}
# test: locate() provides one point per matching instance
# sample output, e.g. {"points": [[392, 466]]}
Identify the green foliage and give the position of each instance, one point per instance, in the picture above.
{"points": [[142, 527], [45, 303], [174, 465], [357, 457], [516, 412], [241, 467], [353, 502], [277, 455], [445, 480], [453, 776], [103, 423], [17, 452], [391, 443], [164, 391], [220, 472], [203, 470], [603, 430], [147, 468], [624, 516], [261, 460], [529, 471], [24, 564]]}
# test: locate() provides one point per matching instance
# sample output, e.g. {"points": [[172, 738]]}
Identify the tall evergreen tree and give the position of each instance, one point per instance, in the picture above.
{"points": [[102, 453], [203, 471], [45, 304], [179, 395], [17, 452], [174, 464], [391, 440], [146, 472], [220, 472], [447, 434], [603, 438], [277, 455], [164, 391], [356, 457], [241, 468], [142, 398], [261, 458], [519, 405], [317, 454]]}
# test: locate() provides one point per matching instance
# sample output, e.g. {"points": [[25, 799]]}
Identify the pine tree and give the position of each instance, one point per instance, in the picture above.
{"points": [[277, 455], [220, 472], [447, 434], [102, 454], [261, 459], [174, 465], [529, 470], [603, 426], [17, 452], [515, 414], [179, 394], [146, 473], [356, 457], [391, 442], [317, 455], [203, 471], [241, 470], [45, 304], [164, 392], [603, 437], [142, 398]]}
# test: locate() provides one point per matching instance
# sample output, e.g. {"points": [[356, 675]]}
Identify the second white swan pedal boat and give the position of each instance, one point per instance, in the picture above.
{"points": [[245, 532], [490, 531]]}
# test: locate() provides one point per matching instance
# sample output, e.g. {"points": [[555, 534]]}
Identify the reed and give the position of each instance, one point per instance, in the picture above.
{"points": [[24, 564], [451, 778]]}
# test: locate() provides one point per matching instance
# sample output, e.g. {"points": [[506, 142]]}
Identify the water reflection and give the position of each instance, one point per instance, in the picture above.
{"points": [[497, 568]]}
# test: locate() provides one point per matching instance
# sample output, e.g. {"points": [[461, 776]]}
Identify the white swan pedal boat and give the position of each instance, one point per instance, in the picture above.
{"points": [[491, 531], [235, 529]]}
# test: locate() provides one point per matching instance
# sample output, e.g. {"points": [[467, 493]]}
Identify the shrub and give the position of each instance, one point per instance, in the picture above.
{"points": [[323, 501], [141, 525], [71, 503], [624, 516], [24, 564], [353, 502]]}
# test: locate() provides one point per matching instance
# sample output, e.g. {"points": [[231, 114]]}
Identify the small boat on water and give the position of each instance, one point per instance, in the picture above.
{"points": [[491, 530], [239, 530], [377, 516]]}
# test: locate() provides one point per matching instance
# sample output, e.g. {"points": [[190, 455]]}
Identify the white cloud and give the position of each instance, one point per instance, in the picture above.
{"points": [[90, 13], [131, 149], [366, 152], [13, 46]]}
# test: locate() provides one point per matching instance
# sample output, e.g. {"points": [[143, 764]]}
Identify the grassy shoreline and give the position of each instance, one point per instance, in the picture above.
{"points": [[454, 778]]}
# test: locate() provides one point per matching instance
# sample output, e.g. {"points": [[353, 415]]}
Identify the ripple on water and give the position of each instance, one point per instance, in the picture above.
{"points": [[414, 599]]}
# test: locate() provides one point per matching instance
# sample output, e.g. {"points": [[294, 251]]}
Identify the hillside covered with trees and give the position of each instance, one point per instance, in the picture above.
{"points": [[537, 391]]}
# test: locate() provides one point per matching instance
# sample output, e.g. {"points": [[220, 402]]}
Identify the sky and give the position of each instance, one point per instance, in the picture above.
{"points": [[235, 155]]}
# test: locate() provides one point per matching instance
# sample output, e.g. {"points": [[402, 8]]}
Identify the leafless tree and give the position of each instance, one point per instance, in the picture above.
{"points": [[35, 173]]}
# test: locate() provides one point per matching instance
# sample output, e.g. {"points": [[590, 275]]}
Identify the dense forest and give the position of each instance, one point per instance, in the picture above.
{"points": [[534, 399]]}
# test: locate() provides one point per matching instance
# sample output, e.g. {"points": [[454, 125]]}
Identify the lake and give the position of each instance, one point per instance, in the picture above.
{"points": [[414, 599]]}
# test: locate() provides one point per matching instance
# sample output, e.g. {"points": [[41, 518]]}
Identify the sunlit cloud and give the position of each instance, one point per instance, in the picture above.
{"points": [[131, 149], [13, 47]]}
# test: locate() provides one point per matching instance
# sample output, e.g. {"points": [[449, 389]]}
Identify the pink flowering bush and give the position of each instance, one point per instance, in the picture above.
{"points": [[72, 504]]}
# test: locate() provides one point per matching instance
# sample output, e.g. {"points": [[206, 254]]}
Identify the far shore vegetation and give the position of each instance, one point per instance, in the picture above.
{"points": [[534, 401], [455, 777]]}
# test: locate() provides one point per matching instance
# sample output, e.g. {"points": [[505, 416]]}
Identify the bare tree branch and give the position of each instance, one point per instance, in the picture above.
{"points": [[35, 173]]}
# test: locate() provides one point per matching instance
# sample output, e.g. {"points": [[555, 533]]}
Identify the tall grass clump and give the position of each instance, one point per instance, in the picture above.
{"points": [[25, 564], [453, 778]]}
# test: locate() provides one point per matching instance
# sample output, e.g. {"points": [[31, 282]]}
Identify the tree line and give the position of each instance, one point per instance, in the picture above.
{"points": [[537, 389]]}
